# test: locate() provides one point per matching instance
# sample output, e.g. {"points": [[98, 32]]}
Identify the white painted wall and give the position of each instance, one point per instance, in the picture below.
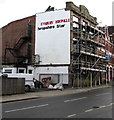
{"points": [[58, 74], [14, 70], [53, 45], [53, 72]]}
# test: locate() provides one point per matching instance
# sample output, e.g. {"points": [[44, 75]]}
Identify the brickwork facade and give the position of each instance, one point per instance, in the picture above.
{"points": [[88, 47], [12, 36]]}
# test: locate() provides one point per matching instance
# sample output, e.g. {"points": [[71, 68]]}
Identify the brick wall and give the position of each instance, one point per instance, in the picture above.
{"points": [[11, 34]]}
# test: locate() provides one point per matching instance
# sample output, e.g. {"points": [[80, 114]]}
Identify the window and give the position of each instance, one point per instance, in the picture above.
{"points": [[75, 19], [8, 71], [84, 25], [75, 25], [21, 70], [30, 71]]}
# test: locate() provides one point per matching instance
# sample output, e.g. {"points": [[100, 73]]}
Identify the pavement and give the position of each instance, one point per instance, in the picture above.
{"points": [[46, 93]]}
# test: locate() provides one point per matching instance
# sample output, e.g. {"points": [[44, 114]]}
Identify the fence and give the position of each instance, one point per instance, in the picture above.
{"points": [[12, 85]]}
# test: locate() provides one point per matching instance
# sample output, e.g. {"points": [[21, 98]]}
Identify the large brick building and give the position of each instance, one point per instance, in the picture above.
{"points": [[18, 42], [110, 51], [64, 44]]}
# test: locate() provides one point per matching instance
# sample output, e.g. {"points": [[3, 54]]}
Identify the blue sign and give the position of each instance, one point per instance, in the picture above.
{"points": [[107, 58]]}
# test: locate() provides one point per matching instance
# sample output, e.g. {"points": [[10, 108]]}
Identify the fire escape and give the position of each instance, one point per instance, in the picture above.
{"points": [[24, 38]]}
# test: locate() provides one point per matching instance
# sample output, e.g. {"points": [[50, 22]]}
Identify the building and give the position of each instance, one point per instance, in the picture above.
{"points": [[18, 37], [18, 41], [87, 53], [110, 52], [64, 44]]}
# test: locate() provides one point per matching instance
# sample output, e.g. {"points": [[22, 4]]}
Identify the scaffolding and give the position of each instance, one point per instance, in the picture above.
{"points": [[87, 56]]}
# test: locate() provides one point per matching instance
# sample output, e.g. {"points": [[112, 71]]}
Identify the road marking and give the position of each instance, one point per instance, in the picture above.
{"points": [[102, 106], [109, 105], [89, 110], [75, 99], [103, 94], [26, 108], [71, 115]]}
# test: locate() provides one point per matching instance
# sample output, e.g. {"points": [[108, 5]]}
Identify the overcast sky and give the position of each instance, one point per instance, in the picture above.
{"points": [[11, 10]]}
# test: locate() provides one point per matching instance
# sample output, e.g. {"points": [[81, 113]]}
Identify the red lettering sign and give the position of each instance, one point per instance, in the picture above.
{"points": [[56, 21], [47, 23], [62, 21]]}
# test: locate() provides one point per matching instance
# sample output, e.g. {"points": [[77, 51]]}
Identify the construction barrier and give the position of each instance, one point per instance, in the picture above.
{"points": [[12, 85]]}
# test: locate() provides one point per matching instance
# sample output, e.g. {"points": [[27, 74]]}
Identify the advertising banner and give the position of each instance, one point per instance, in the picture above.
{"points": [[52, 42]]}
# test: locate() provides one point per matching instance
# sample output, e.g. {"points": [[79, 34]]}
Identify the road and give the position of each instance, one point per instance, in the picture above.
{"points": [[92, 104]]}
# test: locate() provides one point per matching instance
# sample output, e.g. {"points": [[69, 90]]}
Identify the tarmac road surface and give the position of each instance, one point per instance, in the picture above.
{"points": [[92, 104]]}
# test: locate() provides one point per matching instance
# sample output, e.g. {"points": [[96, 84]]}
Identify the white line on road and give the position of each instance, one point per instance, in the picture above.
{"points": [[109, 104], [102, 106], [71, 115], [75, 99], [89, 110], [25, 108], [103, 94]]}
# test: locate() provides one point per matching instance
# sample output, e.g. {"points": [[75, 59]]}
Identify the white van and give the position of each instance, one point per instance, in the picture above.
{"points": [[29, 84]]}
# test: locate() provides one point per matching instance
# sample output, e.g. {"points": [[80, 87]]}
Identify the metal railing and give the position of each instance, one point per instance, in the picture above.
{"points": [[89, 65], [95, 38], [88, 49], [87, 36]]}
